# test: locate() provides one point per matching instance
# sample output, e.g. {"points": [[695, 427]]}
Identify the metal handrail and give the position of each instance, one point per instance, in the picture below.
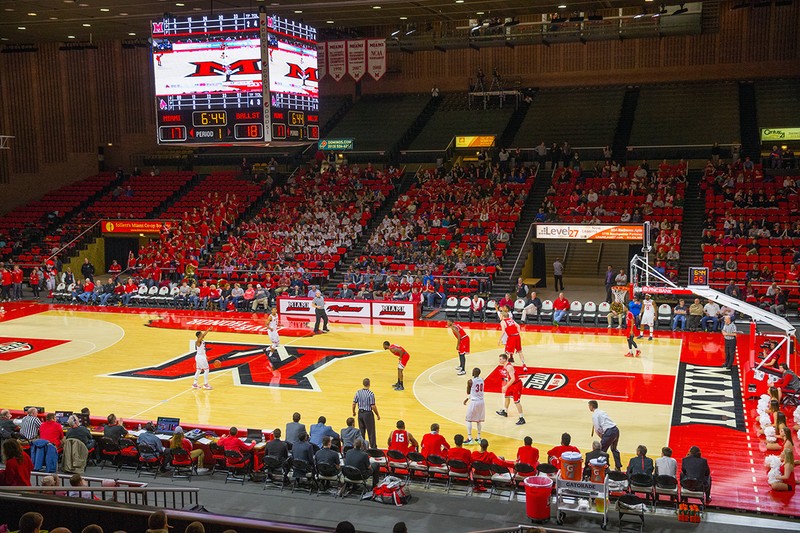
{"points": [[153, 496], [519, 254], [70, 242]]}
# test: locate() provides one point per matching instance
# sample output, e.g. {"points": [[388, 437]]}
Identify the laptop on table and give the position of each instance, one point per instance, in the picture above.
{"points": [[254, 435], [166, 425], [62, 417]]}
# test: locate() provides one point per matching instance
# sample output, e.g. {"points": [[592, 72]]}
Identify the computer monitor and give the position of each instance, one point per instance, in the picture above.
{"points": [[166, 424], [40, 409], [62, 417], [254, 435]]}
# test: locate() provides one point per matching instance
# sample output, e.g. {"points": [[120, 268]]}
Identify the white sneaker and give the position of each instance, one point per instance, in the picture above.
{"points": [[460, 372], [207, 387], [195, 386], [459, 368], [203, 471]]}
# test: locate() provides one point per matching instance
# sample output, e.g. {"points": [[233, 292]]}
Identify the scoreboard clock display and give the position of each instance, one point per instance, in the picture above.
{"points": [[698, 276], [242, 78]]}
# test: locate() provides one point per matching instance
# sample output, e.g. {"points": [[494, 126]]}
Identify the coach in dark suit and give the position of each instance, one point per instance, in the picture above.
{"points": [[305, 451], [696, 467], [596, 453], [293, 429]]}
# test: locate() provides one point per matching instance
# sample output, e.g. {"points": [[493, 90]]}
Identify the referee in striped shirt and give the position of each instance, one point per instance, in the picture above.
{"points": [[364, 400], [29, 425]]}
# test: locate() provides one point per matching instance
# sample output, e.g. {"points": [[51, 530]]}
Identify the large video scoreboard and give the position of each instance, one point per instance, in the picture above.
{"points": [[235, 79]]}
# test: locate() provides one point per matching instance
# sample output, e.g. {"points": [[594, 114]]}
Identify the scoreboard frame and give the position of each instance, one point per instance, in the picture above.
{"points": [[210, 89]]}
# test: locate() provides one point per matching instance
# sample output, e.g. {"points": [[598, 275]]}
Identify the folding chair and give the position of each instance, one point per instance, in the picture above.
{"points": [[236, 463], [327, 473], [108, 450], [666, 486], [302, 471], [397, 462], [417, 465], [631, 505], [378, 457], [521, 471], [642, 484], [218, 455], [183, 465], [149, 460], [437, 466], [502, 480], [481, 474], [458, 471], [275, 472], [353, 476], [693, 488]]}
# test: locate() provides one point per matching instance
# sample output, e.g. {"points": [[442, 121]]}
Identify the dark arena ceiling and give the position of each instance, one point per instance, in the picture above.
{"points": [[37, 21]]}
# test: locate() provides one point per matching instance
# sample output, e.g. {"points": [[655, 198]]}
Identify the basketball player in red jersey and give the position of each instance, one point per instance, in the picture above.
{"points": [[513, 341], [512, 388], [403, 355], [630, 324], [462, 345], [401, 440]]}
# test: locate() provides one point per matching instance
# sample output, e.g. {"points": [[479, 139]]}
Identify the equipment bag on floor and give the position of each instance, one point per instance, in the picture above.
{"points": [[392, 490]]}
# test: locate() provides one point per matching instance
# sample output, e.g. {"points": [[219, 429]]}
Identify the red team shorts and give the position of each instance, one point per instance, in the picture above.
{"points": [[463, 345], [403, 361], [514, 391], [513, 344]]}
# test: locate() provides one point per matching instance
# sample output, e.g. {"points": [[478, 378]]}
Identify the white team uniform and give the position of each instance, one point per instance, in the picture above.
{"points": [[476, 408], [274, 338], [648, 313], [200, 360]]}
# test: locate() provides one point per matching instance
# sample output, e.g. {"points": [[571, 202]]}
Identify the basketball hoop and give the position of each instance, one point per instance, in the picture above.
{"points": [[620, 293]]}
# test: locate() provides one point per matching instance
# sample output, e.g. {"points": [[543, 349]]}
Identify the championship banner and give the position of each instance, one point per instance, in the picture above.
{"points": [[376, 58], [134, 226], [588, 232], [322, 60], [475, 141], [356, 59], [337, 59], [780, 134]]}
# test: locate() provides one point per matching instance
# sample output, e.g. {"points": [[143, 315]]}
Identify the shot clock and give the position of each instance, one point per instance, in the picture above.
{"points": [[698, 276], [241, 78]]}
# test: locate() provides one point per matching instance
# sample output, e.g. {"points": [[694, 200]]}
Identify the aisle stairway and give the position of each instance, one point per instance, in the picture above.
{"points": [[358, 247], [622, 135], [507, 278], [691, 234]]}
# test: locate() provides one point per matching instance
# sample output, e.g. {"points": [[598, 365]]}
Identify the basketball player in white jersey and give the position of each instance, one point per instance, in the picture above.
{"points": [[648, 316], [200, 360], [274, 338], [476, 410]]}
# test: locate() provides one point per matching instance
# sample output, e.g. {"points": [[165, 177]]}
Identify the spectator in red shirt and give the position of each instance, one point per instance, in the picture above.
{"points": [[16, 280], [234, 443], [554, 455], [560, 308], [434, 443], [527, 453], [18, 465], [114, 268], [506, 302], [51, 430], [476, 308]]}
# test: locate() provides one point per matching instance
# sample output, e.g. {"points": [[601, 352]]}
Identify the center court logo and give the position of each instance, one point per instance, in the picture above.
{"points": [[7, 347], [250, 365], [545, 381]]}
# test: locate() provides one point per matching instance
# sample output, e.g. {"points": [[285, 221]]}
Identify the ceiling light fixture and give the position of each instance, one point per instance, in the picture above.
{"points": [[403, 18], [562, 6], [70, 36], [411, 30], [298, 11], [104, 9], [131, 33], [329, 22], [21, 28], [31, 14], [376, 7], [87, 25]]}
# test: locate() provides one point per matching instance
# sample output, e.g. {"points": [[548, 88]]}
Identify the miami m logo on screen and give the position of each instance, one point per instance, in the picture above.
{"points": [[158, 27], [300, 73], [213, 68]]}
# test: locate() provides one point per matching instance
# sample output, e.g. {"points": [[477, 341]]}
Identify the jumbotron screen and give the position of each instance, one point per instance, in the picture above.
{"points": [[211, 87]]}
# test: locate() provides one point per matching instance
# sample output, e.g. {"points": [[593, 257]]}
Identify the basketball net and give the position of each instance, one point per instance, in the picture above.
{"points": [[620, 293]]}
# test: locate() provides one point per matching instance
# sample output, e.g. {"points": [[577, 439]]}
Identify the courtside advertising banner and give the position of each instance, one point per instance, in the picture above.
{"points": [[134, 226], [349, 308], [376, 58], [356, 59], [589, 232], [337, 59]]}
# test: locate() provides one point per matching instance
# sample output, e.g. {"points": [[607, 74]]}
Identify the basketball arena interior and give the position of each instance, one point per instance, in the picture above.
{"points": [[391, 265]]}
